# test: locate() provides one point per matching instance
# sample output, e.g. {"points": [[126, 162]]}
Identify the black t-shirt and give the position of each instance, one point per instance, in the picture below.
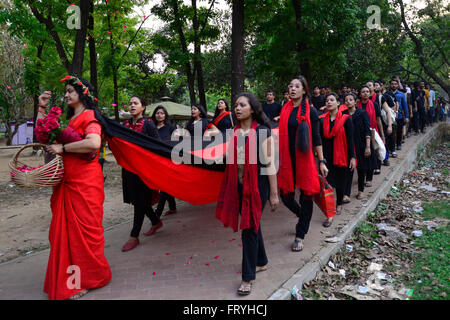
{"points": [[165, 132], [376, 107], [386, 97], [417, 96], [318, 102], [272, 110], [203, 122]]}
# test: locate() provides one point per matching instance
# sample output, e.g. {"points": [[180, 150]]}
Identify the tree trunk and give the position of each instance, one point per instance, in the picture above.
{"points": [[302, 46], [197, 54], [420, 53], [36, 87], [237, 50], [92, 51], [80, 40], [116, 96]]}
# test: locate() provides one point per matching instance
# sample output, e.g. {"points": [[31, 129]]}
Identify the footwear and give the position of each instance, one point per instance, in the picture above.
{"points": [[78, 295], [327, 223], [394, 154], [130, 245], [386, 162], [244, 289], [368, 184], [261, 268], [338, 212], [399, 148], [153, 229], [346, 199], [359, 196], [376, 171], [297, 245], [170, 212]]}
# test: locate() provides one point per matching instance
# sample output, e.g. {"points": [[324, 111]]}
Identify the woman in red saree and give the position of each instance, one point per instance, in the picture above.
{"points": [[77, 261]]}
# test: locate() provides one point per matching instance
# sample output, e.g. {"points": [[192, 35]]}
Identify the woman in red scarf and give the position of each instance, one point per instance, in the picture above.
{"points": [[223, 119], [249, 181], [298, 134], [336, 130], [77, 261], [374, 113], [135, 191]]}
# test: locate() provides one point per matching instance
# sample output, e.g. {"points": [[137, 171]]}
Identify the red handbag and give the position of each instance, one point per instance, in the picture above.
{"points": [[325, 199]]}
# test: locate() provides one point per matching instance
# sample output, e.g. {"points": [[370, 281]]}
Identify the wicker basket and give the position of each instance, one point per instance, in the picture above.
{"points": [[50, 174]]}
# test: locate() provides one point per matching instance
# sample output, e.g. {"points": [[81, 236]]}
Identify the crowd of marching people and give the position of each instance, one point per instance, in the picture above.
{"points": [[323, 135]]}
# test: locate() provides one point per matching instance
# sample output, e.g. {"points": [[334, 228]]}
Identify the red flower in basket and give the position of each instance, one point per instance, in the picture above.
{"points": [[49, 130]]}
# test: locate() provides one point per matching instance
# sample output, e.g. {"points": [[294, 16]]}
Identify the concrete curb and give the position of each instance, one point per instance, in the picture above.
{"points": [[309, 271]]}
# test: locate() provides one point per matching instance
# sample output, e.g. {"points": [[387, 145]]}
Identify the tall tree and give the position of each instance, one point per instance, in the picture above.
{"points": [[237, 49]]}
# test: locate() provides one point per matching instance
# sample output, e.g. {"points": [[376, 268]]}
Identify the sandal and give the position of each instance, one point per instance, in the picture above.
{"points": [[359, 196], [368, 184], [244, 289], [377, 171], [297, 245], [346, 199], [327, 223], [78, 295], [261, 268]]}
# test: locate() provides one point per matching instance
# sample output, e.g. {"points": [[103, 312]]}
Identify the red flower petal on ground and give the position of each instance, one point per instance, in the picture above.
{"points": [[190, 258], [216, 257], [188, 262], [167, 254], [154, 273], [207, 264]]}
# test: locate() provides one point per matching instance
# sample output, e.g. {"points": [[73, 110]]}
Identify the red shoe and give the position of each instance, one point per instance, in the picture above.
{"points": [[130, 245], [153, 229]]}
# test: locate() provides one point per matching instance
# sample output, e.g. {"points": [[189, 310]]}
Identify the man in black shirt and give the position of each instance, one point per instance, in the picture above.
{"points": [[317, 100], [418, 103], [286, 97], [271, 108]]}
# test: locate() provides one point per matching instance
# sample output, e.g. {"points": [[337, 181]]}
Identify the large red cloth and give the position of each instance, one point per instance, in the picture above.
{"points": [[370, 109], [76, 231], [340, 158], [307, 177], [227, 209]]}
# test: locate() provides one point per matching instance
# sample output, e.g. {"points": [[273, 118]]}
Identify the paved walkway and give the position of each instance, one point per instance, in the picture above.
{"points": [[192, 256]]}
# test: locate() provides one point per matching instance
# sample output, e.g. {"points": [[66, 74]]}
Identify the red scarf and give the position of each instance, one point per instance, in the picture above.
{"points": [[220, 117], [374, 97], [339, 138], [307, 177], [227, 209], [370, 109]]}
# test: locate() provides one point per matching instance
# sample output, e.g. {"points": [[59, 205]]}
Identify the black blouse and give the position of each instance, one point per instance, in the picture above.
{"points": [[165, 132], [328, 144], [225, 123], [203, 122]]}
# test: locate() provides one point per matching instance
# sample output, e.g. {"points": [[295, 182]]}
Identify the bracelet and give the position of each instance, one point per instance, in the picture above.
{"points": [[64, 148]]}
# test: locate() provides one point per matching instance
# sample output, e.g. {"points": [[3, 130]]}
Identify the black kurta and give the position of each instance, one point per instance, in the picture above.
{"points": [[165, 132], [337, 176], [225, 123], [203, 122]]}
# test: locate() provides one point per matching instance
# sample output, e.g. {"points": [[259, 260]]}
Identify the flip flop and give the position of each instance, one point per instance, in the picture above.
{"points": [[261, 268], [296, 247], [244, 289]]}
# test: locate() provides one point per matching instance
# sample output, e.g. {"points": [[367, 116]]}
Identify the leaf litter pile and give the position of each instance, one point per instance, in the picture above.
{"points": [[375, 263]]}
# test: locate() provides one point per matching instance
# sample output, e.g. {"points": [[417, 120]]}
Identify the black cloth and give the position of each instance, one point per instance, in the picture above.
{"points": [[318, 102], [400, 125], [292, 131], [203, 122], [417, 96], [226, 123], [162, 202], [328, 144], [142, 208], [303, 209], [376, 107], [272, 110], [165, 132], [361, 181], [361, 129]]}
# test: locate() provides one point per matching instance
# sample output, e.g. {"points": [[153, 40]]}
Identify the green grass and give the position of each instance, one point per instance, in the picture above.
{"points": [[432, 266], [436, 209], [444, 171]]}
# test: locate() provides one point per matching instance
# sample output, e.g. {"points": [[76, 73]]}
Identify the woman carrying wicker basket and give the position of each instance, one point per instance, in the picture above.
{"points": [[77, 261]]}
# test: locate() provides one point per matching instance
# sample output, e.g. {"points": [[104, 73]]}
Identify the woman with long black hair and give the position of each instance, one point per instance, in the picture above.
{"points": [[336, 130], [223, 118], [298, 135], [135, 191], [160, 117], [363, 148], [198, 122], [76, 233], [249, 181]]}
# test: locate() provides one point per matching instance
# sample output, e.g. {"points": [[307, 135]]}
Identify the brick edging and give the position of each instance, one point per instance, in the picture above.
{"points": [[309, 271]]}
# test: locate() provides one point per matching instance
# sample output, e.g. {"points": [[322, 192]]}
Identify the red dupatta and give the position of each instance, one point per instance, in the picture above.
{"points": [[227, 209], [340, 158], [220, 117], [370, 109], [307, 177], [374, 97]]}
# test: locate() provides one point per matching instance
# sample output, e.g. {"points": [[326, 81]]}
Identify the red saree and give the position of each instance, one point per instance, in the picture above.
{"points": [[76, 231]]}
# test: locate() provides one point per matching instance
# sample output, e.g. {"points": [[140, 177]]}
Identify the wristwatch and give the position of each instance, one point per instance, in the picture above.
{"points": [[323, 161]]}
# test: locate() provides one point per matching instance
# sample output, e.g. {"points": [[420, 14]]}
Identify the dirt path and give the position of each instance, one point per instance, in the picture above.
{"points": [[25, 214]]}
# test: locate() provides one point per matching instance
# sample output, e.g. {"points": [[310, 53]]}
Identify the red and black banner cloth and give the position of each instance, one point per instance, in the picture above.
{"points": [[150, 159]]}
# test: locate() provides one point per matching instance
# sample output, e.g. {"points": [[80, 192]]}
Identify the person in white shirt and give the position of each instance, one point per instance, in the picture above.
{"points": [[432, 108]]}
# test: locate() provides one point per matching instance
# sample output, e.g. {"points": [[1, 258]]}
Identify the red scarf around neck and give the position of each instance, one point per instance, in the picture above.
{"points": [[307, 177], [220, 117], [340, 158], [370, 109], [374, 97], [227, 209]]}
